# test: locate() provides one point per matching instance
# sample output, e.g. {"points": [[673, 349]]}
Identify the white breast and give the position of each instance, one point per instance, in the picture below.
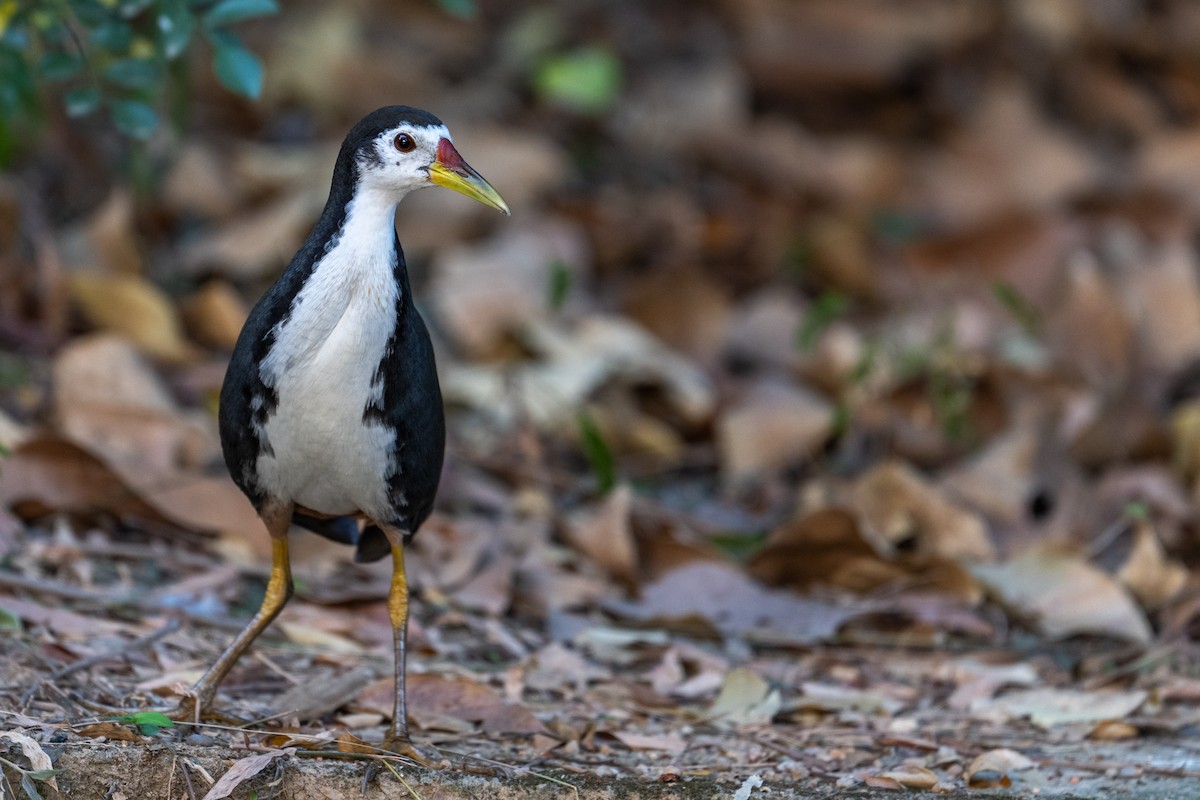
{"points": [[322, 453]]}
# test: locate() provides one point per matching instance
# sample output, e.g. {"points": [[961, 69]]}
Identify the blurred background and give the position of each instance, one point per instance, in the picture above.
{"points": [[891, 305]]}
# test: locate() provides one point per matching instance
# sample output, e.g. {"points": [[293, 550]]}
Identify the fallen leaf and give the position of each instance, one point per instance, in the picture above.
{"points": [[745, 699], [460, 698], [911, 776], [259, 242], [825, 548], [108, 730], [1148, 572], [1049, 707], [109, 399], [898, 505], [994, 768], [1112, 730], [242, 770], [484, 293], [722, 597], [1065, 595], [671, 743], [215, 314], [604, 533], [770, 427], [57, 475], [135, 308], [38, 758], [831, 697]]}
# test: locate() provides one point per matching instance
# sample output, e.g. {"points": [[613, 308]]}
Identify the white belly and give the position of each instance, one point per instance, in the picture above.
{"points": [[322, 454]]}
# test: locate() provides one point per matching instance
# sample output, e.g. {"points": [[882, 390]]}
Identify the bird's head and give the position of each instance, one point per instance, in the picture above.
{"points": [[399, 148]]}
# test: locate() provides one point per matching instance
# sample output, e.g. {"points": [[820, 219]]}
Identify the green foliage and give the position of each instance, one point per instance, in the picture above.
{"points": [[586, 80], [560, 285], [829, 306], [599, 454], [1016, 305], [148, 722], [9, 621], [114, 55]]}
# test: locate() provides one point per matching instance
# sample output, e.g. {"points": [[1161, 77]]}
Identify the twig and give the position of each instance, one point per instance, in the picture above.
{"points": [[167, 629], [400, 778]]}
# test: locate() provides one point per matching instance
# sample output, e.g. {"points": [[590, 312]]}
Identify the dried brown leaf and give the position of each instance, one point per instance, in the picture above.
{"points": [[243, 770], [38, 758], [135, 308], [461, 698], [604, 533], [721, 597], [771, 427], [1065, 595], [897, 504]]}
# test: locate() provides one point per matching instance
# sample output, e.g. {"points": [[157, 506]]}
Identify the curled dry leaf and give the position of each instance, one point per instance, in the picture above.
{"points": [[995, 767], [912, 776], [825, 548], [112, 731], [1065, 595], [604, 533], [38, 758], [745, 699], [897, 504], [1148, 572]]}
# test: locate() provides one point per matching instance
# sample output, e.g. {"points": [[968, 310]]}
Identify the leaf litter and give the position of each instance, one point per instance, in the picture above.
{"points": [[889, 472]]}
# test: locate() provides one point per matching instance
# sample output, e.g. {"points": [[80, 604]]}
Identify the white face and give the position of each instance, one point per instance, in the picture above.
{"points": [[398, 159]]}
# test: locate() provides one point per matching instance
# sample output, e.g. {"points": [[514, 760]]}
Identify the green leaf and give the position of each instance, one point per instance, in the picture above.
{"points": [[598, 453], [133, 73], [586, 80], [176, 25], [230, 11], [560, 285], [30, 787], [1020, 308], [9, 621], [81, 101], [828, 308], [57, 66], [237, 68], [148, 722], [114, 36], [464, 9], [134, 118], [42, 774]]}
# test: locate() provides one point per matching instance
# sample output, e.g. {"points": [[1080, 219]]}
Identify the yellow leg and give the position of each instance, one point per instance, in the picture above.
{"points": [[279, 591], [198, 704], [397, 739], [398, 613]]}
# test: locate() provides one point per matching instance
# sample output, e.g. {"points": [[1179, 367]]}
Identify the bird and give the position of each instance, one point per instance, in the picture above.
{"points": [[330, 414]]}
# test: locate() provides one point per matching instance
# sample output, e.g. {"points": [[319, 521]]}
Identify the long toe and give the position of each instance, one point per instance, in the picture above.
{"points": [[403, 746]]}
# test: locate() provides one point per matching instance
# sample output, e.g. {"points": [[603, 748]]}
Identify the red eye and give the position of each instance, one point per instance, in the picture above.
{"points": [[404, 143]]}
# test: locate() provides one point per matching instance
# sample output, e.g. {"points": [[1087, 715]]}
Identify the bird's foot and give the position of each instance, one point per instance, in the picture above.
{"points": [[400, 744]]}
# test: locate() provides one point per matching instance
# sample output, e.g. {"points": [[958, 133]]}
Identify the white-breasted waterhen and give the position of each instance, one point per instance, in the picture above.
{"points": [[330, 413]]}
